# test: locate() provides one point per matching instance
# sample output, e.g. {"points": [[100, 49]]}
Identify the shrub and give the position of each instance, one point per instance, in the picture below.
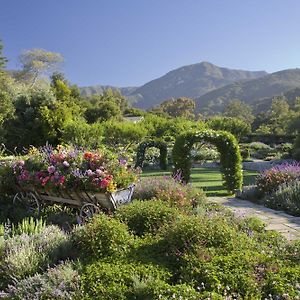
{"points": [[29, 226], [188, 233], [269, 180], [283, 283], [61, 283], [103, 236], [230, 157], [237, 127], [24, 255], [258, 146], [147, 216], [170, 190], [251, 193], [118, 280], [286, 197]]}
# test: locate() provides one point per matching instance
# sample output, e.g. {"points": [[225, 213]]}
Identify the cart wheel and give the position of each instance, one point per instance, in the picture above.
{"points": [[29, 202], [88, 210]]}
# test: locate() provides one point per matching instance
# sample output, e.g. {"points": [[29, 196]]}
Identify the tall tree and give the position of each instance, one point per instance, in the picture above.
{"points": [[38, 62], [3, 59], [239, 109], [180, 107]]}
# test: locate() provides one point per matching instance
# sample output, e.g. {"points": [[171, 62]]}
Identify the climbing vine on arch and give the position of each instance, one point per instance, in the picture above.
{"points": [[162, 146], [227, 145]]}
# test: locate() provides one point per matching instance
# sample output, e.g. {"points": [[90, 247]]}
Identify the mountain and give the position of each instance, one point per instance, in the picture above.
{"points": [[99, 89], [189, 81], [252, 92]]}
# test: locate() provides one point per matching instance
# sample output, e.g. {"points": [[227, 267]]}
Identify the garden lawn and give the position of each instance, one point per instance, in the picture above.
{"points": [[209, 179]]}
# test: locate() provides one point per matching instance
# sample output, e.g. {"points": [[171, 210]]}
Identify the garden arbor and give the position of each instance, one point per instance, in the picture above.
{"points": [[227, 145], [140, 156]]}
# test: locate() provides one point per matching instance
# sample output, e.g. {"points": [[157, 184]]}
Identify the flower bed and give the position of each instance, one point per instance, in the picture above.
{"points": [[69, 170]]}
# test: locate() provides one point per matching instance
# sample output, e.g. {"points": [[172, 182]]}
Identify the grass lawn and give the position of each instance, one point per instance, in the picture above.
{"points": [[209, 179]]}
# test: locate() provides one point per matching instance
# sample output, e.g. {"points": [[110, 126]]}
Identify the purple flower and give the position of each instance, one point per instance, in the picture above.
{"points": [[66, 164], [123, 162], [51, 169]]}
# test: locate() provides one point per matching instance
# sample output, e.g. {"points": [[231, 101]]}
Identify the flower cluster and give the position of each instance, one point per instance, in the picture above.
{"points": [[269, 180], [72, 169]]}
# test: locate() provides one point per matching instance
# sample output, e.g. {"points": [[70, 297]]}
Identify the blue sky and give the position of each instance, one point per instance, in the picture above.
{"points": [[129, 42]]}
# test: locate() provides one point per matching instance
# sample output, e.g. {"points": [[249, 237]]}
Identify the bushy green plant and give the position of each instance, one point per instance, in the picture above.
{"points": [[102, 237], [170, 190], [237, 127], [286, 197], [147, 216], [283, 283], [117, 280], [29, 226], [258, 146], [58, 283], [230, 157]]}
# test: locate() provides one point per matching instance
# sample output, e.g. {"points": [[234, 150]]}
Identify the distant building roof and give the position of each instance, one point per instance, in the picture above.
{"points": [[133, 119]]}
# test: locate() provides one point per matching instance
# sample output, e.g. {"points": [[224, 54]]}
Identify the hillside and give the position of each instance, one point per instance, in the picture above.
{"points": [[253, 92], [190, 81]]}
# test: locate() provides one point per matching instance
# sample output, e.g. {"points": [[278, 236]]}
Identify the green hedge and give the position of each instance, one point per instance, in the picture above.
{"points": [[227, 145], [140, 156]]}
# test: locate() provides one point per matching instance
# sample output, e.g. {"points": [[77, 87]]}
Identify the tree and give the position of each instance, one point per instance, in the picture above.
{"points": [[38, 62], [279, 114], [237, 127], [3, 59], [180, 107], [239, 109]]}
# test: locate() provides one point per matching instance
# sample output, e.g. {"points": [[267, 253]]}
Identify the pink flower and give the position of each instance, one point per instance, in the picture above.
{"points": [[99, 172], [104, 183], [51, 169]]}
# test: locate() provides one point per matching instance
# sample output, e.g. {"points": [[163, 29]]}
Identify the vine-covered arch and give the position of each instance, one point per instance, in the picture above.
{"points": [[140, 155], [227, 145]]}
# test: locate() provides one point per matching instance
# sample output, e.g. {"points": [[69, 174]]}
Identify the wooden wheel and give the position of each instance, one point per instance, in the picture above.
{"points": [[88, 210], [28, 202]]}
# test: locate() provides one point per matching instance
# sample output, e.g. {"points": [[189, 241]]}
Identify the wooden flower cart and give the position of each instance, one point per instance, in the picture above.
{"points": [[88, 203]]}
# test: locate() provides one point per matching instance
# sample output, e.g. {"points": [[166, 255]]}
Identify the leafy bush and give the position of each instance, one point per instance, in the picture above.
{"points": [[230, 157], [205, 153], [120, 280], [235, 126], [258, 146], [170, 190], [147, 216], [286, 197], [103, 236], [283, 283], [269, 180], [61, 283]]}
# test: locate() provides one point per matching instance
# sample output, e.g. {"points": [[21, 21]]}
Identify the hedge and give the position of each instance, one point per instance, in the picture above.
{"points": [[140, 156]]}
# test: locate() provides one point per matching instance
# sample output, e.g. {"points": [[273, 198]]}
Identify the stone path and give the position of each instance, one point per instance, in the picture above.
{"points": [[280, 221]]}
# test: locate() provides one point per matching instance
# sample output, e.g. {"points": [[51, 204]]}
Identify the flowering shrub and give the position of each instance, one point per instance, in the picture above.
{"points": [[269, 180], [168, 189], [73, 169]]}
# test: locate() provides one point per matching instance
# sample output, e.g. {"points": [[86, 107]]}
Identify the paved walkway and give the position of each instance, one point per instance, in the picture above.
{"points": [[286, 224]]}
